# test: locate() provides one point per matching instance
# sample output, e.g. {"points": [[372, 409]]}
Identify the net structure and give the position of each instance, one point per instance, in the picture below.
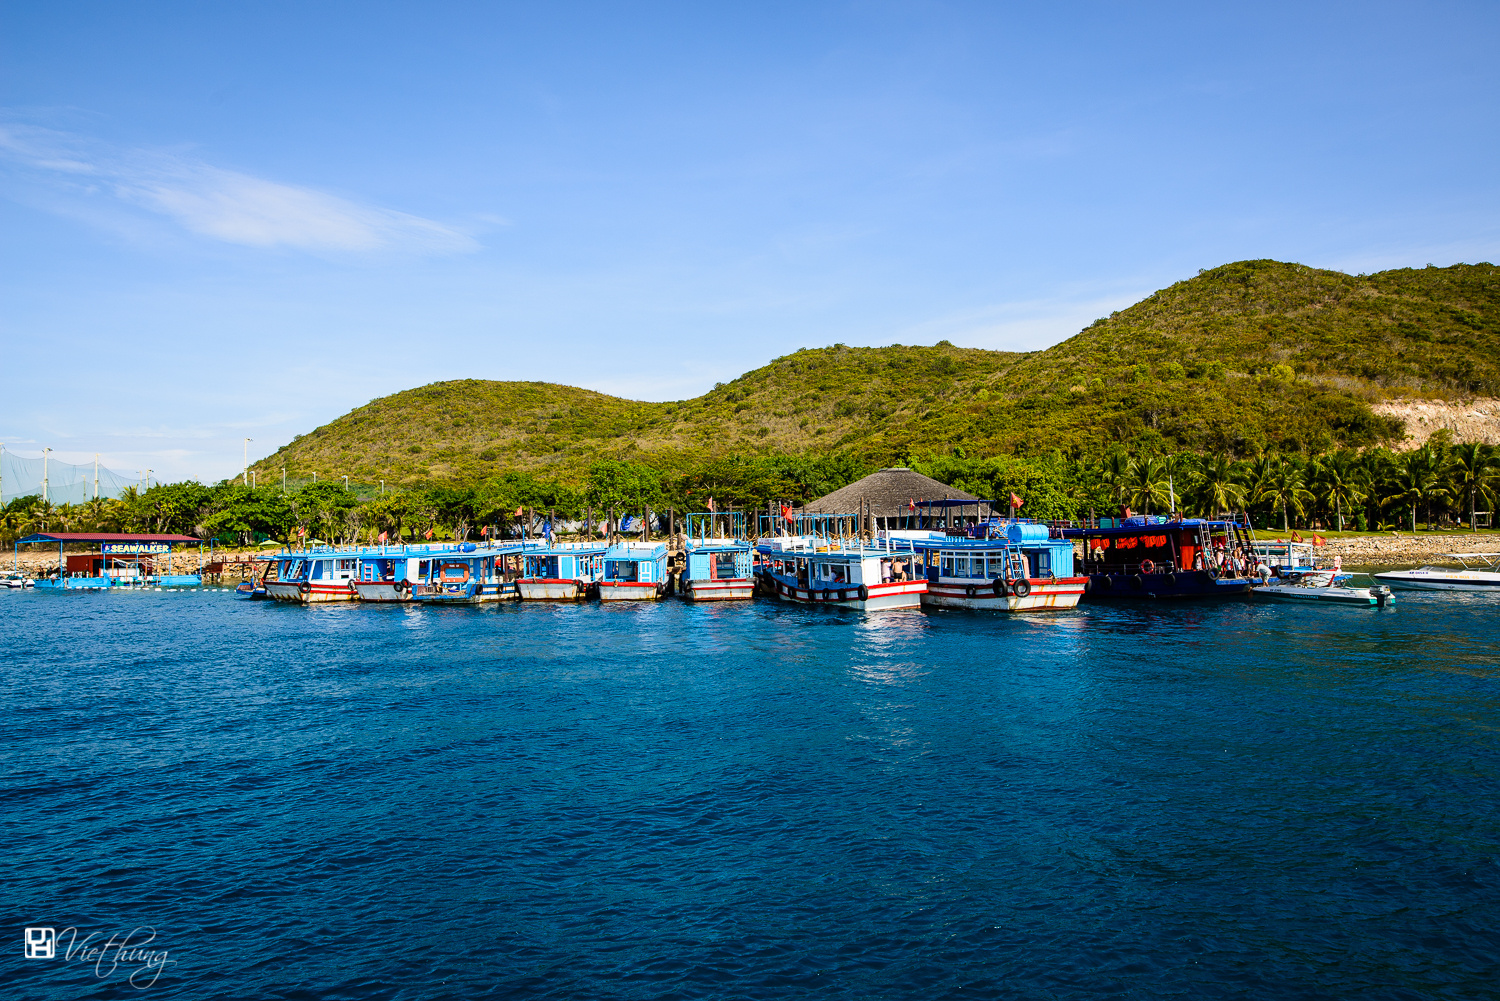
{"points": [[21, 476]]}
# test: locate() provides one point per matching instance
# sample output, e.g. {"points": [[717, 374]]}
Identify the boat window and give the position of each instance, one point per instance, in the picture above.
{"points": [[317, 570], [423, 569], [346, 564], [947, 567]]}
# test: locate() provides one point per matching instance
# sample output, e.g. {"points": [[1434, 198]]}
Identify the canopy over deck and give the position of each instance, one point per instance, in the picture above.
{"points": [[102, 537]]}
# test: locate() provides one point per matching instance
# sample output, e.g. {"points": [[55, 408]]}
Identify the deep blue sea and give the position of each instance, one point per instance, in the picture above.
{"points": [[749, 801]]}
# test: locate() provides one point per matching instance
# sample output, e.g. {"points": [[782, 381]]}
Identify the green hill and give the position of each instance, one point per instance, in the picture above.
{"points": [[1246, 357]]}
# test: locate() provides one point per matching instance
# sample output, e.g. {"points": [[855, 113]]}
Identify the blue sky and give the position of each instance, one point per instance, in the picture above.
{"points": [[225, 221]]}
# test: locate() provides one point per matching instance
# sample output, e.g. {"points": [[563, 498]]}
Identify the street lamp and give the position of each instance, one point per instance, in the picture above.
{"points": [[247, 460], [44, 474]]}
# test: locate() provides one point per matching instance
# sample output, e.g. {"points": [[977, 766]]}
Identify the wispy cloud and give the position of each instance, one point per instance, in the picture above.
{"points": [[224, 204]]}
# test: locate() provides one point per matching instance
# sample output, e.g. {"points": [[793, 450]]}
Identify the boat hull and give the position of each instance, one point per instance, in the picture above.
{"points": [[1436, 583], [879, 597], [545, 589], [1356, 596], [1186, 584], [315, 593], [727, 589], [1044, 595], [615, 590], [381, 591]]}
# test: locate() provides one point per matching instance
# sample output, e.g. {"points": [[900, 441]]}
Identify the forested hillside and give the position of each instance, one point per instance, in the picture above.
{"points": [[1247, 358]]}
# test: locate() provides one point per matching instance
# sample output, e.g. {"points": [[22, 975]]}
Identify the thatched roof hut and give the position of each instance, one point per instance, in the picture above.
{"points": [[885, 496]]}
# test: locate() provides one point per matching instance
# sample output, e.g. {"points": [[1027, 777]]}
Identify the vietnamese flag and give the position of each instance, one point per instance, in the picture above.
{"points": [[1014, 500], [427, 535], [786, 512]]}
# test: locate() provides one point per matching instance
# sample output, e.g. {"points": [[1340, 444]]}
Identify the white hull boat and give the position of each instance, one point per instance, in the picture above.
{"points": [[1484, 575], [1323, 588]]}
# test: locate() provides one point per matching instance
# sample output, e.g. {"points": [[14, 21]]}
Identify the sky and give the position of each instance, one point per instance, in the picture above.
{"points": [[221, 222]]}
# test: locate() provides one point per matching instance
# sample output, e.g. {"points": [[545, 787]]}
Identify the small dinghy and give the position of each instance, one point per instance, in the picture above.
{"points": [[1323, 587]]}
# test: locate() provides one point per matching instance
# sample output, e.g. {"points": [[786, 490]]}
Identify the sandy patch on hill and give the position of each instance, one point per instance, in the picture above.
{"points": [[1477, 420]]}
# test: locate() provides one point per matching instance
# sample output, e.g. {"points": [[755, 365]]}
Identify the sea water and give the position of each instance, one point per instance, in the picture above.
{"points": [[232, 799]]}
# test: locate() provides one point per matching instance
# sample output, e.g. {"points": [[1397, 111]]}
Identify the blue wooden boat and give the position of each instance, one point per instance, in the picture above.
{"points": [[562, 571], [634, 571], [124, 560], [718, 566], [1151, 557], [1012, 566], [465, 573], [821, 568]]}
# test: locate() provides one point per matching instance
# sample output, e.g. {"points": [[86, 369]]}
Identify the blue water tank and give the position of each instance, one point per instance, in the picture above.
{"points": [[468, 547], [1022, 533]]}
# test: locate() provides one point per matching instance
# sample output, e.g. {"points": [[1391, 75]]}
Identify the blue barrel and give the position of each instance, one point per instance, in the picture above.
{"points": [[1020, 533]]}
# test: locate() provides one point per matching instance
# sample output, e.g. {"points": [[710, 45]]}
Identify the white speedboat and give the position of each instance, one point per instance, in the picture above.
{"points": [[1323, 587], [1481, 572], [15, 580]]}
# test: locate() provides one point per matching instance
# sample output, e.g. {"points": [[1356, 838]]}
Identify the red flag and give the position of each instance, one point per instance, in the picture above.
{"points": [[911, 504], [1014, 500], [428, 535], [786, 511], [518, 512], [1319, 540], [302, 532], [1295, 536], [710, 505], [382, 536]]}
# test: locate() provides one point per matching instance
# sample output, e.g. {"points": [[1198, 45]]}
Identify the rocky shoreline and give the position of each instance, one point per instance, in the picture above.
{"points": [[1403, 548]]}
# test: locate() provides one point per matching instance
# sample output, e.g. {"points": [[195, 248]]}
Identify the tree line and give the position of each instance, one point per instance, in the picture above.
{"points": [[1439, 483]]}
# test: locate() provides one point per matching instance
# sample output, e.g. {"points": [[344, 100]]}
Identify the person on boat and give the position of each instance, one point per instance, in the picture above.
{"points": [[1198, 560]]}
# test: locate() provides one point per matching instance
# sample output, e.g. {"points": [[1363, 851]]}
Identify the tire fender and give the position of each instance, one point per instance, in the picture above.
{"points": [[864, 593], [1021, 587]]}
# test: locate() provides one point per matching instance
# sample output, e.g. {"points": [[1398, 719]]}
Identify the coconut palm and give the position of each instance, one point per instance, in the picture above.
{"points": [[1284, 486], [1219, 485], [1114, 472], [1338, 479], [1409, 482], [1147, 481], [1472, 469]]}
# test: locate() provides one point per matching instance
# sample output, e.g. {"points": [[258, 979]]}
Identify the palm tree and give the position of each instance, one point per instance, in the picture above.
{"points": [[1220, 486], [1148, 482], [1409, 483], [1472, 468], [1338, 478], [1284, 487], [1432, 463], [1114, 471]]}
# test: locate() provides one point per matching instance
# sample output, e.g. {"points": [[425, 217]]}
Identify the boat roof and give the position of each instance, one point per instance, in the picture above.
{"points": [[636, 551], [102, 537], [1137, 529]]}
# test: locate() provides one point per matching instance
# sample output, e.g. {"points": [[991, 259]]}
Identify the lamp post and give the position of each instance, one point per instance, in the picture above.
{"points": [[247, 460]]}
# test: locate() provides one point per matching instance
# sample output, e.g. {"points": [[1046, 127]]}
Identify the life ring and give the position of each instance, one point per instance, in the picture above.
{"points": [[1020, 587], [998, 586], [661, 588], [864, 593], [1147, 566], [443, 573]]}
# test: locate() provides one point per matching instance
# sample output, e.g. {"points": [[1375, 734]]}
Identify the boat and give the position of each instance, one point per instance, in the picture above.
{"points": [[1285, 558], [1151, 557], [250, 589], [817, 570], [124, 560], [634, 571], [1484, 576], [463, 573], [718, 567], [1324, 587], [1015, 566], [15, 580], [561, 571]]}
